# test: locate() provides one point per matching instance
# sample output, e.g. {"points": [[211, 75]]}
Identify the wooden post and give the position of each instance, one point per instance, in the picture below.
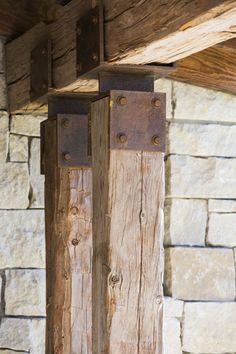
{"points": [[128, 196], [68, 247]]}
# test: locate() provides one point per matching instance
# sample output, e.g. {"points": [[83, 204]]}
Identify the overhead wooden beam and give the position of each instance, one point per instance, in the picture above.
{"points": [[135, 33], [213, 68]]}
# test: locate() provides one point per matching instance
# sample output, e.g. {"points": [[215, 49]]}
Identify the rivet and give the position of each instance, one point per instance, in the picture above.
{"points": [[67, 156], [156, 103], [95, 20], [122, 101], [79, 66], [122, 138], [44, 51], [75, 242], [79, 31], [115, 279], [74, 210], [156, 140], [65, 123], [95, 57]]}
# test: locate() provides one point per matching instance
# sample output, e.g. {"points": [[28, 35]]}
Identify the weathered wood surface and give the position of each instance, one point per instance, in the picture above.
{"points": [[213, 68], [68, 254], [136, 32], [128, 195]]}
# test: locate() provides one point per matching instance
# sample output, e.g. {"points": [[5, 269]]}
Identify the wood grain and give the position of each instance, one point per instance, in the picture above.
{"points": [[136, 32], [128, 195], [68, 212]]}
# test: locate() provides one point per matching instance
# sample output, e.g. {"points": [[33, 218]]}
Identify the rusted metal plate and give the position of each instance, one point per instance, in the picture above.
{"points": [[73, 140], [137, 120], [42, 147], [128, 82], [41, 77]]}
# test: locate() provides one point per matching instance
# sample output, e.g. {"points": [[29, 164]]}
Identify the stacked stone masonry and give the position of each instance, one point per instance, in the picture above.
{"points": [[200, 225]]}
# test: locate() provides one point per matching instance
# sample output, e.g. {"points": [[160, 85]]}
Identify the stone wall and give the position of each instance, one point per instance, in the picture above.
{"points": [[200, 236], [200, 221]]}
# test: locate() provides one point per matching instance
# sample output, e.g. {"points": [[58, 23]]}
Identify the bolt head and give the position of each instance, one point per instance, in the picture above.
{"points": [[122, 138], [95, 57], [75, 242], [122, 101], [79, 31], [65, 123], [94, 20], [156, 103], [44, 51], [156, 140], [79, 66], [67, 156]]}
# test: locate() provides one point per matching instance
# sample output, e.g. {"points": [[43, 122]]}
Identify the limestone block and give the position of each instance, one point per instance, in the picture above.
{"points": [[27, 124], [3, 93], [23, 335], [209, 328], [22, 239], [25, 292], [192, 177], [222, 230], [222, 206], [37, 180], [5, 351], [197, 103], [200, 274], [4, 135], [185, 222], [171, 336], [14, 186], [173, 307], [18, 148], [165, 85], [202, 139]]}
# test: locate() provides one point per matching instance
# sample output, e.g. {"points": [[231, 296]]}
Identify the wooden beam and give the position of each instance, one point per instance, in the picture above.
{"points": [[135, 33], [214, 68]]}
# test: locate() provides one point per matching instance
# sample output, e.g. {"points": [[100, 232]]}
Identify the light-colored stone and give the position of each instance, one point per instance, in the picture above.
{"points": [[18, 148], [27, 124], [23, 335], [37, 180], [222, 230], [202, 139], [185, 222], [200, 274], [171, 336], [22, 239], [4, 135], [192, 177], [209, 328], [3, 351], [14, 186], [165, 85], [173, 307], [222, 206], [3, 93], [25, 292], [197, 103]]}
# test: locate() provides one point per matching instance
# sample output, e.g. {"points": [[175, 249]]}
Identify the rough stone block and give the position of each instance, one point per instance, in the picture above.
{"points": [[14, 186], [37, 180], [25, 292], [173, 307], [171, 336], [192, 177], [3, 93], [18, 148], [23, 335], [27, 124], [165, 85], [202, 139], [222, 206], [200, 274], [22, 239], [197, 103], [185, 222], [222, 230], [5, 351], [4, 135], [209, 328]]}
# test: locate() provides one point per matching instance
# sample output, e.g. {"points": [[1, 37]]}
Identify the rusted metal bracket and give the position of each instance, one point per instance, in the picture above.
{"points": [[41, 70]]}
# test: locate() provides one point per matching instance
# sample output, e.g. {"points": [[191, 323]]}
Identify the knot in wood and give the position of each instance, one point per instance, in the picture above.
{"points": [[115, 279], [75, 242], [74, 210]]}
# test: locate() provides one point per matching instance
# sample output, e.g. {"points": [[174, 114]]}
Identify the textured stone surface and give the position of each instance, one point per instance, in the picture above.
{"points": [[3, 95], [25, 292], [192, 177], [173, 307], [171, 336], [165, 85], [22, 239], [18, 148], [4, 135], [222, 206], [14, 186], [26, 124], [200, 274], [202, 139], [197, 103], [3, 351], [37, 180], [185, 222], [23, 335], [222, 230], [209, 328]]}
